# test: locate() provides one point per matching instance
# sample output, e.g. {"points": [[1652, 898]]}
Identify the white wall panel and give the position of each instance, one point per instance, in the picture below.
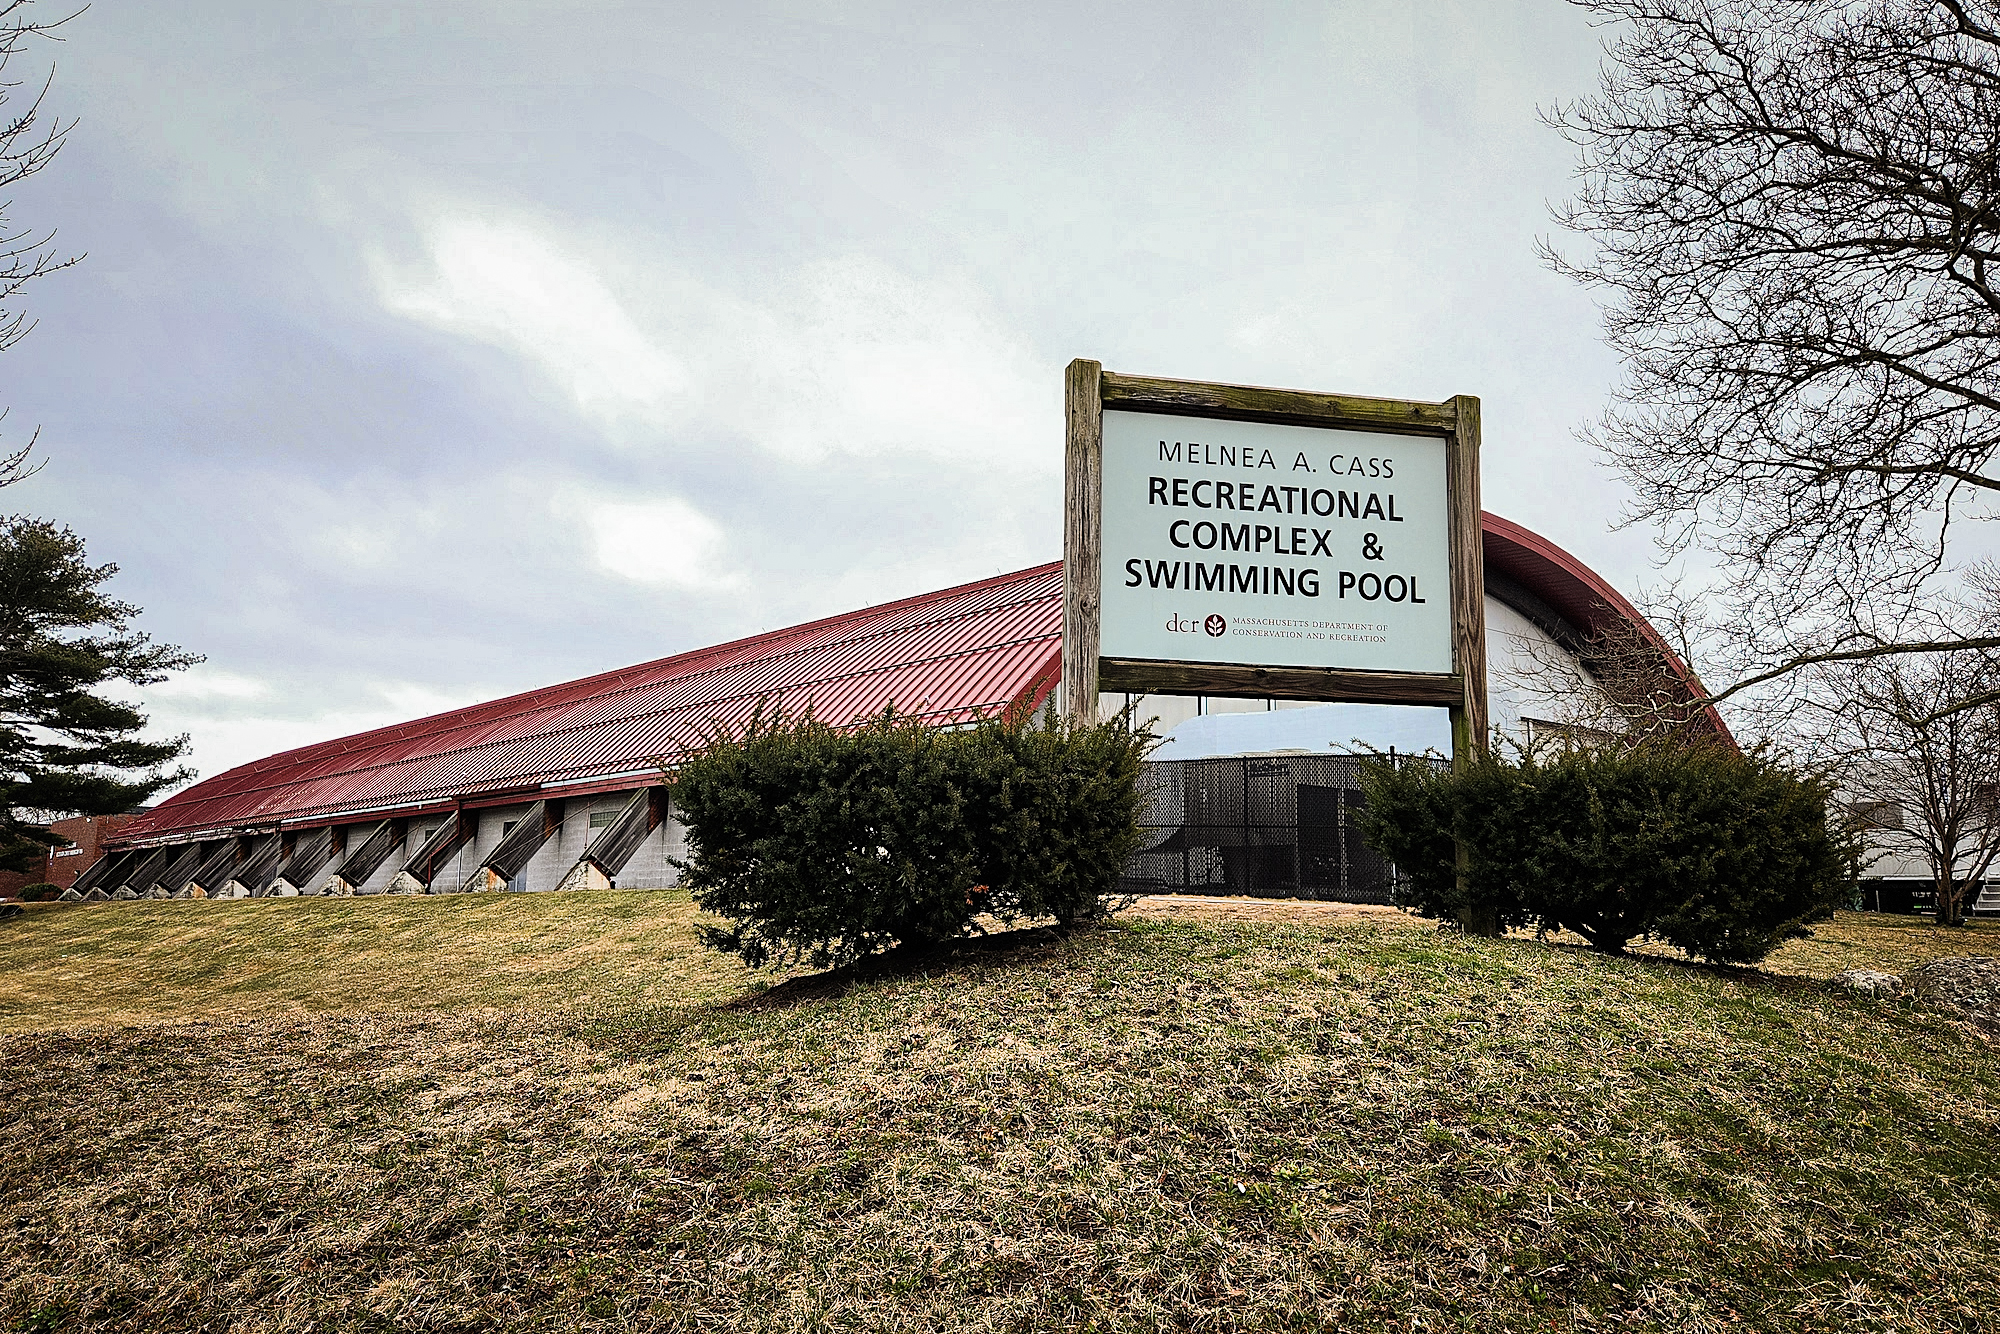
{"points": [[1528, 674]]}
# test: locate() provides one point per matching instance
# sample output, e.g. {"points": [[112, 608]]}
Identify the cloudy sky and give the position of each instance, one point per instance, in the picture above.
{"points": [[424, 353]]}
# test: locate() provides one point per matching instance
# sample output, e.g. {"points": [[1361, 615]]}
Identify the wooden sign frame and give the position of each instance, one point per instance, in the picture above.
{"points": [[1090, 389]]}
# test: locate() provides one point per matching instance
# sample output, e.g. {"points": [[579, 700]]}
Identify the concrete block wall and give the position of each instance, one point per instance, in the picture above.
{"points": [[377, 883], [648, 869]]}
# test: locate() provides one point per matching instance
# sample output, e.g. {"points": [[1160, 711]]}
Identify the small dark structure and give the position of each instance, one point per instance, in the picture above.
{"points": [[1268, 826], [1904, 896]]}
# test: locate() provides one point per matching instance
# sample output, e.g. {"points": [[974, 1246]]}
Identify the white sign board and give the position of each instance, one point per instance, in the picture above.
{"points": [[1276, 546]]}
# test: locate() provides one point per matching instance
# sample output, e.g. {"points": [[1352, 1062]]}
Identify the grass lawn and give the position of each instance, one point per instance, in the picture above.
{"points": [[148, 960], [1886, 943], [390, 1114]]}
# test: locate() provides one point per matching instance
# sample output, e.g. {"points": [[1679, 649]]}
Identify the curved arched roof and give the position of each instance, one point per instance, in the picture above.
{"points": [[947, 655], [1554, 581]]}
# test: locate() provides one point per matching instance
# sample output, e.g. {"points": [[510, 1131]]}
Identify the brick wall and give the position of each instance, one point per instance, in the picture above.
{"points": [[64, 865]]}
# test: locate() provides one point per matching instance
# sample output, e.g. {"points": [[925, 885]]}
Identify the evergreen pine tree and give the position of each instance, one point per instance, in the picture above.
{"points": [[64, 746]]}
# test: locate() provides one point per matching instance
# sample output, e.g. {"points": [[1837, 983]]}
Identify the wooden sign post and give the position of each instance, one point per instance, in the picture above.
{"points": [[1272, 543]]}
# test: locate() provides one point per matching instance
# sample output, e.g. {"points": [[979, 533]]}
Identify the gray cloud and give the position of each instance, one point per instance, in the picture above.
{"points": [[426, 353]]}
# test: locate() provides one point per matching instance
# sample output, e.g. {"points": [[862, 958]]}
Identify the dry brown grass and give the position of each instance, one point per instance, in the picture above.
{"points": [[1219, 1125], [1886, 943], [1883, 943], [146, 961]]}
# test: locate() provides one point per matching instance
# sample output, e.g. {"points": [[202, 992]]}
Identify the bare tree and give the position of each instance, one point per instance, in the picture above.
{"points": [[1623, 684], [1923, 771], [1792, 214], [29, 141]]}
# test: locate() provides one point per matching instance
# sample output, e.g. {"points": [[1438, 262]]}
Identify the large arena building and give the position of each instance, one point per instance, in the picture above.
{"points": [[565, 787]]}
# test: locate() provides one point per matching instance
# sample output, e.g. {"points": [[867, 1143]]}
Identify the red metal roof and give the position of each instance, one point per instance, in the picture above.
{"points": [[946, 655]]}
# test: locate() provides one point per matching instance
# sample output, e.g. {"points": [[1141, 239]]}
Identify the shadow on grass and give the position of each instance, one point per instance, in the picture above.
{"points": [[1752, 977], [1746, 974], [1024, 944], [1005, 947], [655, 1031]]}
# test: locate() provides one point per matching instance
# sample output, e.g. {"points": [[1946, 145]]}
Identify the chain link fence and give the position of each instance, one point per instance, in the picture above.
{"points": [[1278, 826]]}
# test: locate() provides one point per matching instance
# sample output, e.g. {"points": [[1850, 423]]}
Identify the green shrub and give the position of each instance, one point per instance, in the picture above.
{"points": [[824, 844], [39, 892], [1721, 854], [1056, 812]]}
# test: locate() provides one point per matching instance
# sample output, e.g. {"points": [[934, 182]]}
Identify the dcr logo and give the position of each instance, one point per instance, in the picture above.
{"points": [[1188, 625]]}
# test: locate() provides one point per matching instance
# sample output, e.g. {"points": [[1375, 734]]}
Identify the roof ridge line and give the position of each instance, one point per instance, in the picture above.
{"points": [[505, 741], [794, 631], [424, 796]]}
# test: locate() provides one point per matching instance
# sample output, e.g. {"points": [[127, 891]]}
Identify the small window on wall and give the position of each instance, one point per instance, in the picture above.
{"points": [[420, 834], [1876, 814], [507, 827], [601, 820]]}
